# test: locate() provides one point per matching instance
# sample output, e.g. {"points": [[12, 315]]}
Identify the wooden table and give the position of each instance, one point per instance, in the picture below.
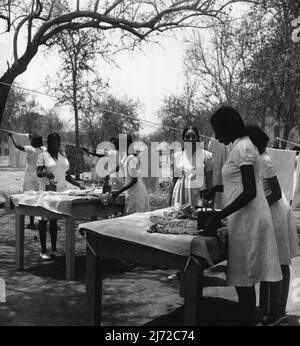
{"points": [[81, 209], [100, 246]]}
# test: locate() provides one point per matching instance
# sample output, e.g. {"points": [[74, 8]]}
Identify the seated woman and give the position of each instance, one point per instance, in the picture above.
{"points": [[195, 167], [52, 164]]}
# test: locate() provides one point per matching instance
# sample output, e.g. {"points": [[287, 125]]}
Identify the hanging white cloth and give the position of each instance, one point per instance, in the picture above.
{"points": [[18, 158], [284, 162]]}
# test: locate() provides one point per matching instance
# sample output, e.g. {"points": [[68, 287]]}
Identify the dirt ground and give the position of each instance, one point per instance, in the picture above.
{"points": [[136, 296]]}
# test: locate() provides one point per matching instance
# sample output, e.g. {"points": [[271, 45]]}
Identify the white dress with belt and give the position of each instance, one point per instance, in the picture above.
{"points": [[282, 215], [252, 248]]}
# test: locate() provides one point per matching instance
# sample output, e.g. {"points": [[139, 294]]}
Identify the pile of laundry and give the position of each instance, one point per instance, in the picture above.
{"points": [[180, 221]]}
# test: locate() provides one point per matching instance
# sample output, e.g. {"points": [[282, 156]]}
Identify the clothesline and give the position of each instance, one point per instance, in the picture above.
{"points": [[284, 140], [109, 111]]}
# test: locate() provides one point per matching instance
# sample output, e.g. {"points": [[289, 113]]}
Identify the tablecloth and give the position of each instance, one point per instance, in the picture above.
{"points": [[133, 228]]}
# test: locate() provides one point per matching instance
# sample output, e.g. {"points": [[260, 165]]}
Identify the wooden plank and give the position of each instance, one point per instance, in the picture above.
{"points": [[19, 235], [70, 247]]}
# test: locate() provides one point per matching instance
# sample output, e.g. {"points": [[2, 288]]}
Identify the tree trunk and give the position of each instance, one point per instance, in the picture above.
{"points": [[286, 132], [76, 115], [276, 130]]}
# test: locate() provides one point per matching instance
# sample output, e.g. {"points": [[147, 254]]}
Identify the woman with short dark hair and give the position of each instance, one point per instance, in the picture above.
{"points": [[252, 249]]}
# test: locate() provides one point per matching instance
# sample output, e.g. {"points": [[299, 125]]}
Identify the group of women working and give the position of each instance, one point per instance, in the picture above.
{"points": [[261, 229], [262, 235], [47, 164]]}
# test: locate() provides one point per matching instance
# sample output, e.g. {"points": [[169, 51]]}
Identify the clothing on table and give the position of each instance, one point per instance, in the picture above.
{"points": [[283, 219], [220, 153], [31, 180], [76, 159], [252, 248], [17, 158], [137, 199], [192, 179], [58, 167], [284, 162]]}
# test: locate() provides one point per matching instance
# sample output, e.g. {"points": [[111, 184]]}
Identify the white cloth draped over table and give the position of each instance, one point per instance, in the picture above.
{"points": [[133, 228]]}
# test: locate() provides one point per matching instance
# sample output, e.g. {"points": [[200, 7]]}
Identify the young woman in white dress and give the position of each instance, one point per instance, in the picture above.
{"points": [[136, 199], [252, 249], [30, 177], [274, 295], [53, 164], [193, 167]]}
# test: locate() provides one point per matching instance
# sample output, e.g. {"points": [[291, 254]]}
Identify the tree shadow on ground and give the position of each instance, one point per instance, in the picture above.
{"points": [[214, 312]]}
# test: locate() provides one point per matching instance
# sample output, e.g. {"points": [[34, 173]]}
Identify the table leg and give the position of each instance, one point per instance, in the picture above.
{"points": [[193, 290], [19, 229], [93, 282], [70, 247]]}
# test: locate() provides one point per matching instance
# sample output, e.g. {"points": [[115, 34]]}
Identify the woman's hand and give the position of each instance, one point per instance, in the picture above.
{"points": [[81, 186]]}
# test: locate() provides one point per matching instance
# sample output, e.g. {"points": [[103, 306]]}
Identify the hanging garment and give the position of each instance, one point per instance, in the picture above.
{"points": [[31, 180], [76, 159], [18, 158], [220, 153], [252, 248], [284, 162], [296, 194]]}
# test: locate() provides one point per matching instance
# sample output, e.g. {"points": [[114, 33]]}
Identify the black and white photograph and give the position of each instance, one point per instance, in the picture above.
{"points": [[149, 166]]}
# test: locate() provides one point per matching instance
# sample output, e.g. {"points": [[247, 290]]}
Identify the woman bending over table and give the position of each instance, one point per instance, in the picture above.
{"points": [[252, 249]]}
